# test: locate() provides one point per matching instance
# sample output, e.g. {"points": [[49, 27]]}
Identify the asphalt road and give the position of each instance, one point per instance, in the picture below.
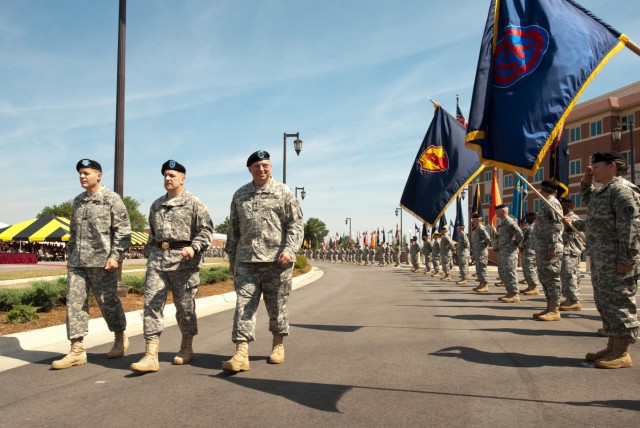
{"points": [[368, 347]]}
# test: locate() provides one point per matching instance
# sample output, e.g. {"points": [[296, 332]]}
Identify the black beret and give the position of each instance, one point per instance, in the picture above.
{"points": [[174, 166], [549, 185], [258, 156], [606, 157], [476, 215], [566, 200], [499, 207], [88, 163], [531, 214]]}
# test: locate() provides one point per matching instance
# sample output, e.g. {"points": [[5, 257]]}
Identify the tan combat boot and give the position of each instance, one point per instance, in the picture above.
{"points": [[185, 354], [619, 357], [149, 362], [483, 287], [510, 298], [570, 305], [240, 360], [447, 277], [462, 281], [76, 356], [499, 284], [277, 352], [435, 273], [120, 345], [539, 314], [594, 356], [553, 314], [531, 291]]}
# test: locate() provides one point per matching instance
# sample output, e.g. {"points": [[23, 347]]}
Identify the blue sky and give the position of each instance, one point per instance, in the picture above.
{"points": [[209, 82]]}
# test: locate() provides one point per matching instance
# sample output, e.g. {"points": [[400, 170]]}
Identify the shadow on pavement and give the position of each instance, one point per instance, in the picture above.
{"points": [[528, 332], [335, 328], [503, 359], [478, 317], [318, 396]]}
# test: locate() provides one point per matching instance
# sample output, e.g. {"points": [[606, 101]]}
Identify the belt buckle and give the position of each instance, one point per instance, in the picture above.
{"points": [[165, 245]]}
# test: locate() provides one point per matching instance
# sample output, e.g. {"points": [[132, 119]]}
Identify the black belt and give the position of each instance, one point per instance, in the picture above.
{"points": [[174, 245]]}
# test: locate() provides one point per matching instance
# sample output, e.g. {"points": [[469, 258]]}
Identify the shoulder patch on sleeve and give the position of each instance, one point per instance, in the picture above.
{"points": [[629, 210]]}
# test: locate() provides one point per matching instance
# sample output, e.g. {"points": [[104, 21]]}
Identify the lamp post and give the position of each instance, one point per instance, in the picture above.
{"points": [[616, 133], [303, 193], [399, 210], [297, 146], [348, 221]]}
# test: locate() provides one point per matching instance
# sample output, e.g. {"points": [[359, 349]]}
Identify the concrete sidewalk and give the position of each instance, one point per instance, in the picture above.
{"points": [[36, 345]]}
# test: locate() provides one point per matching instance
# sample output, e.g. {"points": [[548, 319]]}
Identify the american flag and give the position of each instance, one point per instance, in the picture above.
{"points": [[460, 118]]}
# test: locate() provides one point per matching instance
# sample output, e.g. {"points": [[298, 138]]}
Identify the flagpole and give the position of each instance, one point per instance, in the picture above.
{"points": [[632, 47], [554, 209]]}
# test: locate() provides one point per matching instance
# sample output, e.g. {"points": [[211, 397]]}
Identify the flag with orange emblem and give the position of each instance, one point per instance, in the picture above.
{"points": [[441, 169]]}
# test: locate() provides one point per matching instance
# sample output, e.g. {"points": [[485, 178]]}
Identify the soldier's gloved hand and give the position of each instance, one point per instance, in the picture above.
{"points": [[187, 253], [111, 266], [284, 259]]}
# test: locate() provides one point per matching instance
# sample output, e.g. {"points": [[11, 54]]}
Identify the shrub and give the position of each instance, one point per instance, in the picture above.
{"points": [[46, 294], [21, 314], [214, 274], [10, 297], [301, 262], [134, 284]]}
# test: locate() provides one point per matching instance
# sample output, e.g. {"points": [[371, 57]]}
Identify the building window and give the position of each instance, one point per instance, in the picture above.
{"points": [[539, 175], [487, 176], [537, 204], [627, 156], [575, 167], [574, 134], [577, 198], [487, 198], [508, 180], [596, 128]]}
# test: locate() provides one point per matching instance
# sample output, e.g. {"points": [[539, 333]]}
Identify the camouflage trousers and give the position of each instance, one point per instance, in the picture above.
{"points": [[569, 276], [446, 264], [549, 275], [104, 286], [529, 267], [427, 263], [251, 280], [383, 259], [482, 260], [436, 263], [183, 285], [615, 299], [463, 264], [507, 269], [415, 261]]}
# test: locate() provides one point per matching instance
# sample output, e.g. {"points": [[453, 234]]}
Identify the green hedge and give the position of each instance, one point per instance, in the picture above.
{"points": [[214, 274], [301, 262]]}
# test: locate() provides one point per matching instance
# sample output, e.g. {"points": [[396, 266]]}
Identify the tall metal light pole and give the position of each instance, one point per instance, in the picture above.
{"points": [[118, 181], [297, 146], [303, 193], [348, 221], [617, 136], [399, 210]]}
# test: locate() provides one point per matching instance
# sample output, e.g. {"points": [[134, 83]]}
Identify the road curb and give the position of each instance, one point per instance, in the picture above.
{"points": [[35, 345]]}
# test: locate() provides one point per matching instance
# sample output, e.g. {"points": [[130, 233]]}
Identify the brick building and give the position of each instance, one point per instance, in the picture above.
{"points": [[588, 129]]}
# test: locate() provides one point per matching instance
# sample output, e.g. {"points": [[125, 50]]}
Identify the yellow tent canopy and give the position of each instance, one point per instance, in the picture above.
{"points": [[139, 238], [50, 228]]}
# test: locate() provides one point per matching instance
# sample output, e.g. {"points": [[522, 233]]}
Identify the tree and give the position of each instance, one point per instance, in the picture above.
{"points": [[138, 220], [224, 226], [314, 231], [65, 209]]}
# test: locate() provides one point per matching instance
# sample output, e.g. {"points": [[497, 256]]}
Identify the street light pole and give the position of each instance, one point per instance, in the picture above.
{"points": [[297, 145], [303, 193], [617, 136], [348, 221]]}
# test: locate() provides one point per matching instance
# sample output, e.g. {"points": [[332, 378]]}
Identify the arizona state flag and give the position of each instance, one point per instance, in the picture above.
{"points": [[536, 58], [440, 170]]}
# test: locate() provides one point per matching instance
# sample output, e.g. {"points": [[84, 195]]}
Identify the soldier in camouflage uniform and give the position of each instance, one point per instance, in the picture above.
{"points": [[100, 234], [529, 266], [387, 253], [508, 240], [415, 251], [396, 255], [446, 250], [480, 241], [435, 254], [180, 231], [383, 254], [427, 249], [573, 248], [265, 233], [463, 253], [548, 240], [613, 238]]}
